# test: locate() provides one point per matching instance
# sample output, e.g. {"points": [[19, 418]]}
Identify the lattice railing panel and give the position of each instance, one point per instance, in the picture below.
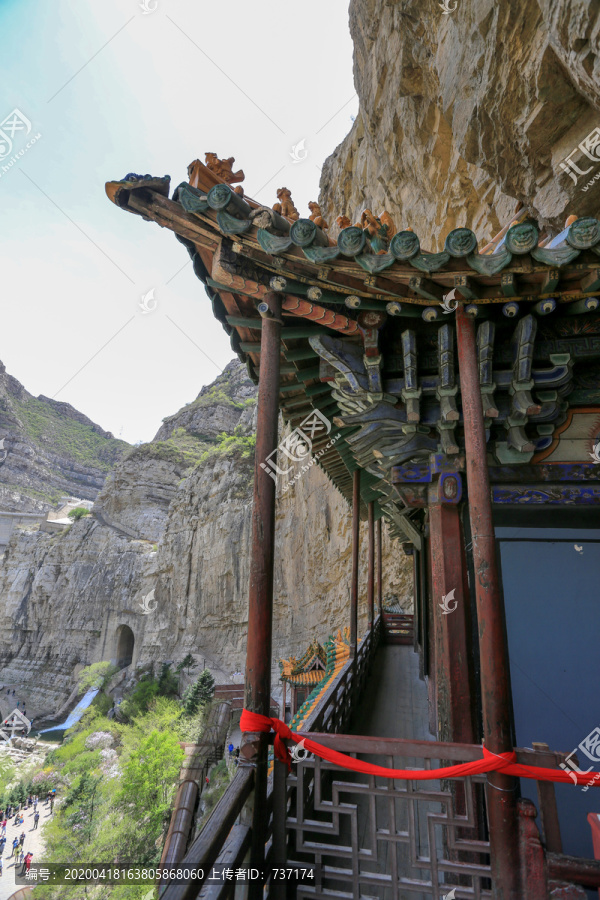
{"points": [[386, 839]]}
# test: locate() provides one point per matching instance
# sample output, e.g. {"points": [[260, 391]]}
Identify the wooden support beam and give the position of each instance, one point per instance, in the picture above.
{"points": [[315, 389], [250, 347], [451, 629], [303, 353], [508, 284], [495, 687], [550, 282], [379, 566], [466, 286], [257, 695], [371, 567], [591, 282], [242, 322], [426, 288], [308, 374], [355, 552]]}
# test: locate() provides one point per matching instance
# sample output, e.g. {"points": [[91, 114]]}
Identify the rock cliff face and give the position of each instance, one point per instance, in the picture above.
{"points": [[48, 450], [166, 555], [463, 115]]}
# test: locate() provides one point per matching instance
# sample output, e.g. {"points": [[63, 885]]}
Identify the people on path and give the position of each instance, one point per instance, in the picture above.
{"points": [[36, 819], [22, 838], [28, 859], [16, 847], [4, 828]]}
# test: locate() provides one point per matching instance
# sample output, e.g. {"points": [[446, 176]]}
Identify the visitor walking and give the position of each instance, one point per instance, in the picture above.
{"points": [[36, 819], [21, 857], [15, 847], [4, 828], [22, 838], [28, 859]]}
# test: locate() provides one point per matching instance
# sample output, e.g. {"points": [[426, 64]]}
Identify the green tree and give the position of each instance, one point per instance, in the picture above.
{"points": [[78, 513], [188, 662], [83, 799], [150, 775], [168, 683], [199, 693]]}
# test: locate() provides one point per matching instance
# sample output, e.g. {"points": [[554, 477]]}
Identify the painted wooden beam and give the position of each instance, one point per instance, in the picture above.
{"points": [[466, 286], [306, 309], [550, 282], [426, 288], [591, 282]]}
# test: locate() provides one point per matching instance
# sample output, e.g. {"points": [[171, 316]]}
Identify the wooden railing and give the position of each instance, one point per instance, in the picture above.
{"points": [[224, 841], [372, 836]]}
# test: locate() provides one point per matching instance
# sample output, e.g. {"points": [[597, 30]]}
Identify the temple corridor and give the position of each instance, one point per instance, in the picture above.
{"points": [[394, 703]]}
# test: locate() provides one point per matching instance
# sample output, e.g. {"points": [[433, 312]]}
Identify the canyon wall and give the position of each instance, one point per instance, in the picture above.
{"points": [[166, 553], [464, 115]]}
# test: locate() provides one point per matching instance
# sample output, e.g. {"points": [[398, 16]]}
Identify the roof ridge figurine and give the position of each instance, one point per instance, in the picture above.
{"points": [[285, 206], [316, 215], [381, 229], [223, 168]]}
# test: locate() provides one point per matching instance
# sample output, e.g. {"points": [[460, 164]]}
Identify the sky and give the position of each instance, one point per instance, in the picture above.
{"points": [[90, 91]]}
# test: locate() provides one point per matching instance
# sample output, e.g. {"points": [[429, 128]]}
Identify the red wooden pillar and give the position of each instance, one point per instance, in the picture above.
{"points": [[495, 685], [379, 567], [371, 566], [452, 658], [260, 602], [355, 549]]}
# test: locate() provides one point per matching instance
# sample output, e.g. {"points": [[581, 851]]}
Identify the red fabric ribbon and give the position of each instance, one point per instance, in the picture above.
{"points": [[491, 762]]}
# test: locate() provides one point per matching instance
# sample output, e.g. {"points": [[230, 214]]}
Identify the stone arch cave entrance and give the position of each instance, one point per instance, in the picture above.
{"points": [[125, 642]]}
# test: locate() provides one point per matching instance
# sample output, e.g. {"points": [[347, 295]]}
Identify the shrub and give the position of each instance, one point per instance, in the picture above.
{"points": [[95, 676], [78, 513]]}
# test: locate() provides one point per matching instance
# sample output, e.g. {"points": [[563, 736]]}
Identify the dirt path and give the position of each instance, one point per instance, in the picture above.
{"points": [[34, 843]]}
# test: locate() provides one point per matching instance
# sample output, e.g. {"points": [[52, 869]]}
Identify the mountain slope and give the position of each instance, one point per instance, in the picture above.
{"points": [[51, 450]]}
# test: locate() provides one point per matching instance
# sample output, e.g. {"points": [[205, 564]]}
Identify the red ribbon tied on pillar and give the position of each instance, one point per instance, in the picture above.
{"points": [[491, 762]]}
